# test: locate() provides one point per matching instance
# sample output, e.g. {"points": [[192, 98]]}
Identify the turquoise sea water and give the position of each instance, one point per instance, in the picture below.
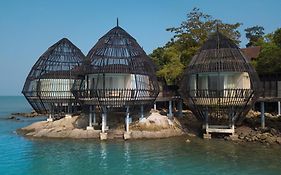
{"points": [[22, 156]]}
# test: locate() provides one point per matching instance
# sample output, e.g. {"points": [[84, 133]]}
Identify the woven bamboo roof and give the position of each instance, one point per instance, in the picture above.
{"points": [[60, 58], [219, 54], [118, 52]]}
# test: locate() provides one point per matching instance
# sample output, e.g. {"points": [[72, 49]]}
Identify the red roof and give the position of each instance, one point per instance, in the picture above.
{"points": [[251, 53]]}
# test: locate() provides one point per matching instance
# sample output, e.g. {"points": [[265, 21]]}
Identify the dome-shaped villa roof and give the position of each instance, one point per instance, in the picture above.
{"points": [[219, 81], [119, 71], [119, 52], [219, 54], [50, 79]]}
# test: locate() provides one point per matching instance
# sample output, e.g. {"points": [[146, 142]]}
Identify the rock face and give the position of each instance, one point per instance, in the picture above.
{"points": [[63, 128], [154, 126], [260, 136], [155, 122], [252, 132]]}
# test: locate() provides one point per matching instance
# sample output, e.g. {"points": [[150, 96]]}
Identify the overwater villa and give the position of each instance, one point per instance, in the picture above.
{"points": [[48, 85], [117, 75], [220, 86]]}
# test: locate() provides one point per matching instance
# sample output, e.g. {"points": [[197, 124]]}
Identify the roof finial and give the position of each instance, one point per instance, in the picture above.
{"points": [[217, 26], [117, 22]]}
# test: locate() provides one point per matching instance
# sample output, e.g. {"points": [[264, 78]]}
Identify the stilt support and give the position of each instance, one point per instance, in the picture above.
{"points": [[155, 106], [279, 108], [103, 134], [207, 135], [127, 120], [103, 122], [170, 114], [90, 127], [180, 108], [94, 118], [262, 115], [142, 113], [69, 110], [127, 134], [50, 119]]}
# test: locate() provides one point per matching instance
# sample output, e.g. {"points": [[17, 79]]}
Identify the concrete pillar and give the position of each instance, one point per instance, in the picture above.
{"points": [[69, 108], [127, 134], [233, 124], [170, 114], [262, 115], [105, 115], [127, 120], [103, 134], [90, 116], [103, 121], [50, 119], [180, 108], [94, 117], [207, 135], [207, 121], [154, 106], [142, 113], [90, 127], [279, 108]]}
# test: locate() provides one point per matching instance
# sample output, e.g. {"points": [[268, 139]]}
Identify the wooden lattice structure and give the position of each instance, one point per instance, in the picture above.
{"points": [[48, 85], [219, 85], [117, 73]]}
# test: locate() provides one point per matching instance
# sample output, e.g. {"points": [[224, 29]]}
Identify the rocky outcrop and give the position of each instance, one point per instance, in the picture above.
{"points": [[154, 126], [63, 128], [25, 114], [252, 132], [270, 136]]}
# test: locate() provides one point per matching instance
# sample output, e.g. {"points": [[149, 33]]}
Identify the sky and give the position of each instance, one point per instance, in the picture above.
{"points": [[28, 28]]}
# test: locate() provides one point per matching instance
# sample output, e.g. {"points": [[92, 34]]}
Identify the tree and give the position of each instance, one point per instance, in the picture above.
{"points": [[253, 34], [269, 60], [198, 26], [277, 37], [172, 58]]}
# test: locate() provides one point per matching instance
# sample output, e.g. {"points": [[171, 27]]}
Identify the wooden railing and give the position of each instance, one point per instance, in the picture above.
{"points": [[225, 93]]}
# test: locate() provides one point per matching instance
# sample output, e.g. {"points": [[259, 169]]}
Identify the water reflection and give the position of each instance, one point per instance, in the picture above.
{"points": [[127, 157], [103, 156], [163, 156]]}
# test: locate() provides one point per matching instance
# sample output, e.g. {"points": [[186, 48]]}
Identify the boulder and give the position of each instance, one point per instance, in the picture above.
{"points": [[278, 140], [63, 128], [155, 122]]}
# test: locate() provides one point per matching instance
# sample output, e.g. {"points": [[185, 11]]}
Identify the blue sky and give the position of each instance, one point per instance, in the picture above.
{"points": [[28, 28]]}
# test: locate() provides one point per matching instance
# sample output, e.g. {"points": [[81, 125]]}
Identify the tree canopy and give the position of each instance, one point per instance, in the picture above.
{"points": [[253, 34], [269, 60], [172, 58]]}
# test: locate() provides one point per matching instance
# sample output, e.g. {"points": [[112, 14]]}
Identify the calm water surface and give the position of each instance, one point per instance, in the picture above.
{"points": [[22, 156]]}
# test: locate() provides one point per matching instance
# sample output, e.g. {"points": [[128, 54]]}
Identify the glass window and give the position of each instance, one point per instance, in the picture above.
{"points": [[215, 82]]}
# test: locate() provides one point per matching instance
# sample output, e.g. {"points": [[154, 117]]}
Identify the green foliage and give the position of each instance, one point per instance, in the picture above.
{"points": [[169, 59], [269, 60], [254, 34], [277, 37], [188, 38], [254, 63]]}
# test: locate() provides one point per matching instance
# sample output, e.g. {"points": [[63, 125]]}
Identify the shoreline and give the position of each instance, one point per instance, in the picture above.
{"points": [[157, 127], [154, 126]]}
